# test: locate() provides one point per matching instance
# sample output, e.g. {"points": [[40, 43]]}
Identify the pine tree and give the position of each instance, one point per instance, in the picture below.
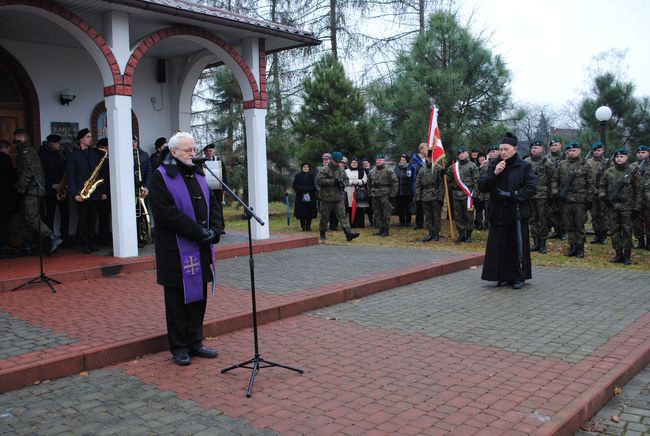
{"points": [[332, 115]]}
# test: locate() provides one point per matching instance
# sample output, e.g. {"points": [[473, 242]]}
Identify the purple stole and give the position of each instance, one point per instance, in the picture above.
{"points": [[189, 250]]}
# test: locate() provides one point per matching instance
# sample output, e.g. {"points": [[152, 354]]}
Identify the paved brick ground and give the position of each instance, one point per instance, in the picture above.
{"points": [[631, 407], [18, 337]]}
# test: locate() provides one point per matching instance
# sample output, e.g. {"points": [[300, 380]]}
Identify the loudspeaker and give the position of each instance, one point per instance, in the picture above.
{"points": [[161, 71]]}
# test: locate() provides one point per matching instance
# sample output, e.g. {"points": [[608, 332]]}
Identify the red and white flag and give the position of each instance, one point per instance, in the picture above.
{"points": [[435, 143]]}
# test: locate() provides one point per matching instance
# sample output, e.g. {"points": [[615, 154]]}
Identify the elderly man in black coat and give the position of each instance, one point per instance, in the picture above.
{"points": [[511, 183], [188, 222]]}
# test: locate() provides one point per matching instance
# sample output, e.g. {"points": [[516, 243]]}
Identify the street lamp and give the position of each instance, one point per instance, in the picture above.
{"points": [[603, 114]]}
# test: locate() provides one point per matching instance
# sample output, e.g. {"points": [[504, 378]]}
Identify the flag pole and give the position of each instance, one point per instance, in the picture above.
{"points": [[433, 142]]}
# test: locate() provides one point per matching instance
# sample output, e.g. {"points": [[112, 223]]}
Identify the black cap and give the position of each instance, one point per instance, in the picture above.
{"points": [[53, 138], [82, 133], [537, 144], [21, 131], [509, 138], [159, 142], [208, 146]]}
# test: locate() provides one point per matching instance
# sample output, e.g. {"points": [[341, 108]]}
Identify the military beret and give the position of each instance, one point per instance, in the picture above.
{"points": [[82, 133], [21, 131], [642, 148], [102, 143], [380, 156], [537, 144], [509, 138], [337, 156], [597, 145], [209, 146], [494, 147], [475, 150], [555, 139], [53, 138], [461, 150], [573, 144], [621, 150]]}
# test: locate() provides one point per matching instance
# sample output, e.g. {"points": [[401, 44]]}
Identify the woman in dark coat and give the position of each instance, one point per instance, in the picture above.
{"points": [[304, 184], [511, 183]]}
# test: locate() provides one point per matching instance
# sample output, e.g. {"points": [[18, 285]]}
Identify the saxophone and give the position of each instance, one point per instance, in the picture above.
{"points": [[141, 212], [93, 182]]}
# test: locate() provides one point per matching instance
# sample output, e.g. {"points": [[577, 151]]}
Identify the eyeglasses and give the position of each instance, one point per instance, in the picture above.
{"points": [[188, 150]]}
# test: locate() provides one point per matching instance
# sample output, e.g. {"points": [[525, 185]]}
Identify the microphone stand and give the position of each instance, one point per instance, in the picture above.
{"points": [[42, 278], [257, 362]]}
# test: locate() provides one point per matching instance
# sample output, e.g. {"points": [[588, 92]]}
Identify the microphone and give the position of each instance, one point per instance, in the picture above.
{"points": [[200, 160]]}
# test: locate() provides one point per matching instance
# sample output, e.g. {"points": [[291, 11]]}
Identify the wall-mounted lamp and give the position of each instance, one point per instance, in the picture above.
{"points": [[67, 95]]}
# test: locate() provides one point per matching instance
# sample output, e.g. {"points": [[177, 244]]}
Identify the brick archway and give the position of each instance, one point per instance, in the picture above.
{"points": [[94, 118], [94, 39], [259, 99]]}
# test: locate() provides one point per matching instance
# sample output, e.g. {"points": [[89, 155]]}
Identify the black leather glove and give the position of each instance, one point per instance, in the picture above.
{"points": [[208, 236], [504, 195]]}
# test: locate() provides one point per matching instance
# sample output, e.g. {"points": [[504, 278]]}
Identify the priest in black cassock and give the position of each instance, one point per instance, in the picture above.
{"points": [[511, 183]]}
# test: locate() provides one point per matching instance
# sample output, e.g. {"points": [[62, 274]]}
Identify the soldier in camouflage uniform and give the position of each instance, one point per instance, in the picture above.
{"points": [[430, 191], [28, 170], [598, 164], [539, 203], [623, 193], [382, 184], [332, 181], [555, 215], [577, 198], [642, 222], [468, 173]]}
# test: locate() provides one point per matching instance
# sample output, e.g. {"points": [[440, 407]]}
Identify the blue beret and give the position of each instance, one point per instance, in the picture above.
{"points": [[642, 148], [621, 150], [461, 150], [337, 156], [573, 144], [494, 147], [380, 156], [537, 144], [597, 145]]}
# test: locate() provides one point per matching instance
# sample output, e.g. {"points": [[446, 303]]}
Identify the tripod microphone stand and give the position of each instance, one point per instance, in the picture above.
{"points": [[42, 278], [257, 362]]}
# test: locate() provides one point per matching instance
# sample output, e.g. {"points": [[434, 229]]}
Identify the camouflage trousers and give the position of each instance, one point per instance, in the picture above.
{"points": [[32, 221], [326, 208], [381, 208], [574, 216], [464, 218], [642, 223], [555, 217], [620, 222], [599, 214], [539, 218], [432, 211]]}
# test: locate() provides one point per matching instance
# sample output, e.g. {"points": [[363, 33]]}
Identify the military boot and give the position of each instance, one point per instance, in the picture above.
{"points": [[562, 236], [603, 237], [572, 251], [618, 258], [428, 238], [384, 232], [461, 236], [468, 236], [350, 235], [435, 236], [596, 239], [536, 246], [323, 236], [580, 250], [542, 246], [641, 242], [379, 232], [627, 254]]}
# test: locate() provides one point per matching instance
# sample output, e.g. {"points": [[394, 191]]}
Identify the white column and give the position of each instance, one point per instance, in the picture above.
{"points": [[258, 187], [118, 114]]}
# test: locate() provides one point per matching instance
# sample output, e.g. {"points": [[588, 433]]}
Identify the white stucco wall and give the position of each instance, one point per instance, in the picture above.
{"points": [[53, 69]]}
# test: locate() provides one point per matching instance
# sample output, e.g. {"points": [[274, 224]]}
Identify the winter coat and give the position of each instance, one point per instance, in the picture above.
{"points": [[405, 179], [331, 181], [304, 183], [382, 182], [544, 169], [354, 183], [416, 165], [581, 190], [430, 185], [630, 196]]}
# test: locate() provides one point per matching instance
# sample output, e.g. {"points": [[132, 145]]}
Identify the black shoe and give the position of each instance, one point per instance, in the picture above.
{"points": [[618, 258], [505, 283], [468, 236], [435, 237], [517, 284], [461, 237], [379, 232], [182, 359], [542, 246], [323, 236], [350, 235], [563, 236], [384, 233], [85, 249], [627, 254], [93, 248], [428, 238], [54, 244], [572, 251], [536, 246], [208, 353], [580, 250]]}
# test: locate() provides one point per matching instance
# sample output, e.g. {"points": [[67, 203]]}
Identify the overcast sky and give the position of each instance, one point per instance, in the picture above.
{"points": [[549, 44]]}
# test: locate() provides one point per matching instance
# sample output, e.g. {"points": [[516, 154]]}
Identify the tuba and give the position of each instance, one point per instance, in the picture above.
{"points": [[141, 213], [93, 182]]}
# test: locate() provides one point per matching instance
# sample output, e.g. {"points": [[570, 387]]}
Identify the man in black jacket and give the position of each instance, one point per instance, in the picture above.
{"points": [[511, 183], [188, 222], [54, 166]]}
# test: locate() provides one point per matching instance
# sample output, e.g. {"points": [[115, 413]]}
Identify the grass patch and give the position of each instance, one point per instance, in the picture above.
{"points": [[596, 256]]}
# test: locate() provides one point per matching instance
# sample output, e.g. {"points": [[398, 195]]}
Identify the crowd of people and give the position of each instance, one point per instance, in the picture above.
{"points": [[549, 194], [51, 180]]}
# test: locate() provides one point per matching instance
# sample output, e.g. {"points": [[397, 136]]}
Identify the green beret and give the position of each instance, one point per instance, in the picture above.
{"points": [[494, 147], [380, 156], [642, 148], [461, 150], [597, 145], [555, 139], [621, 150], [573, 144], [537, 144], [337, 156]]}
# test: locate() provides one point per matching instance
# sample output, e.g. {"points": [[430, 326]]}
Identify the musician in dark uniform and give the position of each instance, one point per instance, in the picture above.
{"points": [[54, 166], [142, 180], [187, 224], [81, 164]]}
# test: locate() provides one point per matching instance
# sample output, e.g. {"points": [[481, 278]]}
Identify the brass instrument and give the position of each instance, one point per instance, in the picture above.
{"points": [[141, 213], [93, 182]]}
